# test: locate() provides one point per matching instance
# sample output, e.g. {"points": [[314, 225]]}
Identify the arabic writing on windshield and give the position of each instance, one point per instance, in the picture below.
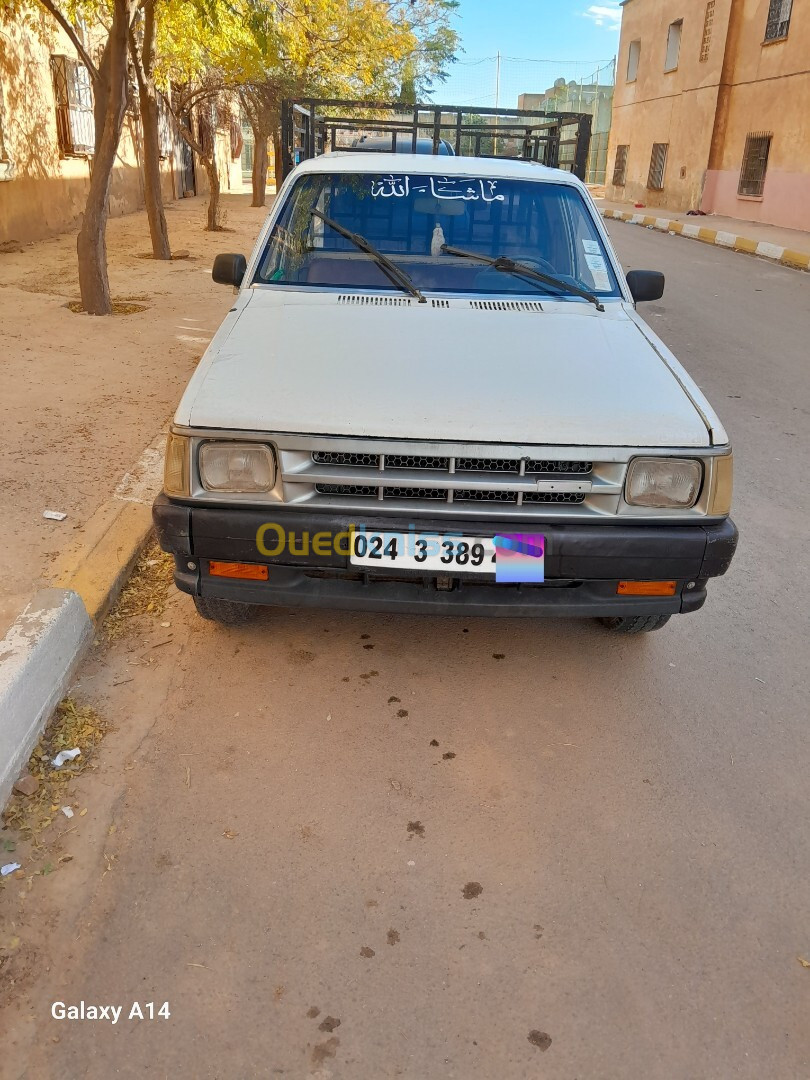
{"points": [[465, 188]]}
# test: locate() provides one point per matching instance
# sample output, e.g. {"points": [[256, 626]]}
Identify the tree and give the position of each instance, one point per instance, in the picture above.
{"points": [[142, 38], [109, 81], [353, 48], [206, 51]]}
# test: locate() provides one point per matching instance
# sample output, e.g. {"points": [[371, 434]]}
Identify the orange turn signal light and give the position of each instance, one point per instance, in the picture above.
{"points": [[647, 588], [251, 571]]}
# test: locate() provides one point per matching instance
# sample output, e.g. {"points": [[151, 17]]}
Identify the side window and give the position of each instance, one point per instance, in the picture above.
{"points": [[633, 54], [620, 166], [75, 123], [673, 45], [658, 164], [778, 19], [754, 164], [590, 267]]}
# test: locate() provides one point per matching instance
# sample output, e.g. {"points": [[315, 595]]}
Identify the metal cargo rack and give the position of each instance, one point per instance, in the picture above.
{"points": [[313, 126]]}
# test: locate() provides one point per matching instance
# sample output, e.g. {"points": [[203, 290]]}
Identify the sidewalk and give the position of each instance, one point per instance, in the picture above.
{"points": [[84, 396], [787, 246]]}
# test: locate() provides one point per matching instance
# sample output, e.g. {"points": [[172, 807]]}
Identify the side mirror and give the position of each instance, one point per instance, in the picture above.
{"points": [[645, 284], [229, 269]]}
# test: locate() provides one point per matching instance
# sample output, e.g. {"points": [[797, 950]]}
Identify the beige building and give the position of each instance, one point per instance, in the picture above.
{"points": [[47, 134], [712, 108]]}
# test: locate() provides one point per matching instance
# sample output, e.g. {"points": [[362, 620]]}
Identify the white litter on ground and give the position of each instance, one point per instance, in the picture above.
{"points": [[9, 868], [63, 756], [54, 515]]}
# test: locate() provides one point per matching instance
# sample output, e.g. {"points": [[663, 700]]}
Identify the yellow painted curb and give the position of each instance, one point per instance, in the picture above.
{"points": [[795, 258], [97, 566]]}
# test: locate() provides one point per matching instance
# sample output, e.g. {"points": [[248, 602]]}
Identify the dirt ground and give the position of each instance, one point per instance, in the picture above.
{"points": [[83, 396]]}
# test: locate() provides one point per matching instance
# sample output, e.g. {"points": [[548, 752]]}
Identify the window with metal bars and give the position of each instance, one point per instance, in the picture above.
{"points": [[754, 164], [706, 40], [75, 123], [778, 19], [620, 166], [658, 163]]}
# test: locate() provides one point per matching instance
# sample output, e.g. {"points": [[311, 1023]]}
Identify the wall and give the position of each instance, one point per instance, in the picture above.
{"points": [[46, 194], [676, 107], [768, 91]]}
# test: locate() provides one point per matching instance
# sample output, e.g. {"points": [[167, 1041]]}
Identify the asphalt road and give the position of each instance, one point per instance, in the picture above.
{"points": [[364, 847]]}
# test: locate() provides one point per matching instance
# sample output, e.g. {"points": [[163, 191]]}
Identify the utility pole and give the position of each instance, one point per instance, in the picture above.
{"points": [[497, 96]]}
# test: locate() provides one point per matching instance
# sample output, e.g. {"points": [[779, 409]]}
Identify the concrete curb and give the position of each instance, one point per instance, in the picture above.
{"points": [[797, 260], [38, 656], [47, 642]]}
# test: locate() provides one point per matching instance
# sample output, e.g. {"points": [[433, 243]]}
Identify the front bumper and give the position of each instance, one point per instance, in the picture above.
{"points": [[583, 565]]}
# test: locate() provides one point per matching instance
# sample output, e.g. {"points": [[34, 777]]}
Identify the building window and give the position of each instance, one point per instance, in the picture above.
{"points": [[778, 20], [754, 164], [706, 40], [75, 123], [673, 45], [620, 166], [658, 162], [633, 54]]}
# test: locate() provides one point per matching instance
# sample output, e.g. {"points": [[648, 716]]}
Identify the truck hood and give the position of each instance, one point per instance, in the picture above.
{"points": [[504, 371]]}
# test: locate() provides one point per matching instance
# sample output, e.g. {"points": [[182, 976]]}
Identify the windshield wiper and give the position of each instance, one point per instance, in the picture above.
{"points": [[388, 266], [509, 266]]}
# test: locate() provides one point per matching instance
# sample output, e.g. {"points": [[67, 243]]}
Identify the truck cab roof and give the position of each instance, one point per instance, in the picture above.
{"points": [[495, 168]]}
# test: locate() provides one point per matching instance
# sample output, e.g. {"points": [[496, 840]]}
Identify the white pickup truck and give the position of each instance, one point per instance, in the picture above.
{"points": [[433, 393]]}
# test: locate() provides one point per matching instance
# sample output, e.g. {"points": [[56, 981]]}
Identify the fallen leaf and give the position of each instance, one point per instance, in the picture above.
{"points": [[803, 962], [229, 834]]}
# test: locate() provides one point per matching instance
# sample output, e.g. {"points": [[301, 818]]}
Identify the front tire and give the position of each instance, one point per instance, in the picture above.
{"points": [[226, 612], [635, 624]]}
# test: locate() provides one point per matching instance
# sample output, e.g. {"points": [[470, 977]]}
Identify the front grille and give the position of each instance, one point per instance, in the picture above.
{"points": [[440, 494], [541, 465], [462, 464], [334, 457], [466, 464], [446, 480], [414, 493], [346, 489], [553, 497], [416, 461], [473, 495]]}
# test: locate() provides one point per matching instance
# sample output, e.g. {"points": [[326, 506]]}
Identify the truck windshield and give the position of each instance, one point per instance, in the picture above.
{"points": [[412, 218]]}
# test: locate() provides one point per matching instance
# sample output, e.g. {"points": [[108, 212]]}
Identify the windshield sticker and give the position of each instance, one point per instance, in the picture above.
{"points": [[598, 269], [591, 247], [465, 188]]}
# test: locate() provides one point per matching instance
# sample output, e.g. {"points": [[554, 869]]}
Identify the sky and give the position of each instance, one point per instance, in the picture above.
{"points": [[539, 41]]}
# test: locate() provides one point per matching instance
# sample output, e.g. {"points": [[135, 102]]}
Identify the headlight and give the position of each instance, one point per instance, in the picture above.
{"points": [[237, 467], [663, 482], [175, 471]]}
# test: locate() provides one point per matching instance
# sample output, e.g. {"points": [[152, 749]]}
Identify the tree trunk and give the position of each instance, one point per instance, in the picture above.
{"points": [[153, 195], [91, 243], [259, 177], [277, 156], [212, 223]]}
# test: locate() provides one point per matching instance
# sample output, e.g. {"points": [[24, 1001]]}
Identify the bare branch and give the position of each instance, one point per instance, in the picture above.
{"points": [[70, 30]]}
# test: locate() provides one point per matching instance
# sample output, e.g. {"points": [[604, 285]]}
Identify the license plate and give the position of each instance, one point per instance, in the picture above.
{"points": [[428, 552]]}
